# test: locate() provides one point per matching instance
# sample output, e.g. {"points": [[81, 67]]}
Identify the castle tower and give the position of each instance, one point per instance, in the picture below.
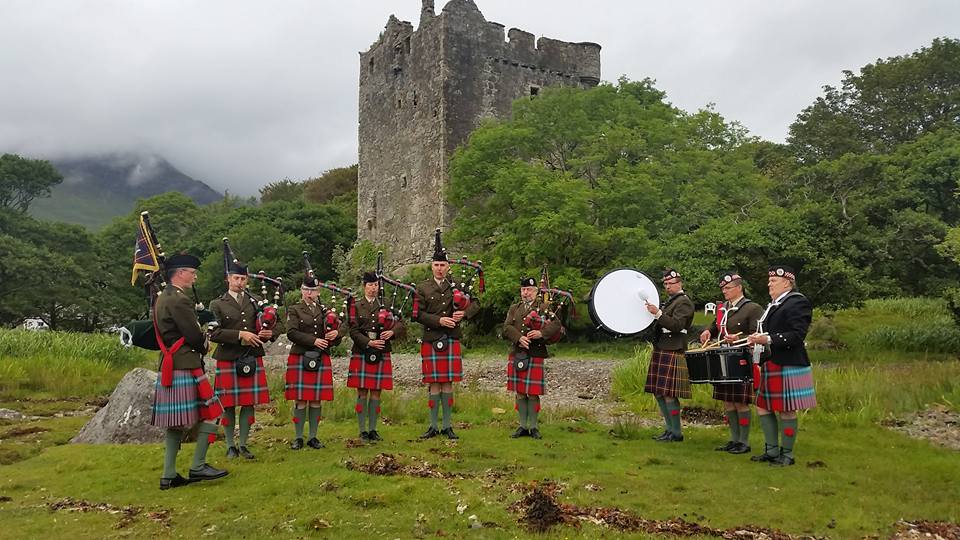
{"points": [[423, 91]]}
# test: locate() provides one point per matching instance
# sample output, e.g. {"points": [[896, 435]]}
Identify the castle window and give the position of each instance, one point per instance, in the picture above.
{"points": [[403, 180], [406, 44], [399, 103], [414, 98], [371, 65], [534, 90]]}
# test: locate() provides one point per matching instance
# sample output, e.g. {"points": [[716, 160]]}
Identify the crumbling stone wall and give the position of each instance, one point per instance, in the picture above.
{"points": [[423, 91]]}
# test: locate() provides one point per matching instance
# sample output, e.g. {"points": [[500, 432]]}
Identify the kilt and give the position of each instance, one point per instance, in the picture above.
{"points": [[303, 385], [734, 392], [362, 374], [668, 376], [241, 391], [441, 366], [530, 381], [786, 388], [189, 400]]}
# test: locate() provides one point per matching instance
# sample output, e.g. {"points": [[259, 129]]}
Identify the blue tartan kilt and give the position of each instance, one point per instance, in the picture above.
{"points": [[187, 401], [668, 376]]}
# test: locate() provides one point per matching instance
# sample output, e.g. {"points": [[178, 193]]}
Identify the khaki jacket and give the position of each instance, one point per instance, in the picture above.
{"points": [[365, 327], [176, 317], [742, 318], [437, 301], [513, 329], [673, 326], [234, 317], [305, 325]]}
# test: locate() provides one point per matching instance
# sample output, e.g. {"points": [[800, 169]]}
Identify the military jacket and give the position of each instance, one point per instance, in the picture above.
{"points": [[514, 329], [233, 317], [437, 301], [305, 325], [787, 323], [741, 318], [672, 327], [365, 326], [176, 317]]}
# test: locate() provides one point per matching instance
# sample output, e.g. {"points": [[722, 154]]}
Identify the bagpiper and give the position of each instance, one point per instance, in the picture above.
{"points": [[372, 328], [442, 362], [528, 326], [737, 317], [240, 378], [183, 396], [313, 329]]}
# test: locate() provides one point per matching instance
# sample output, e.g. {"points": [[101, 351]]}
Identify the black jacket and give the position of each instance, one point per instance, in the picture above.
{"points": [[787, 325]]}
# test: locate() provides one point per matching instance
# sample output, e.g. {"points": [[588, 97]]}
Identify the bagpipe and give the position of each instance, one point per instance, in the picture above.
{"points": [[149, 256], [267, 312], [463, 288], [553, 305], [333, 318]]}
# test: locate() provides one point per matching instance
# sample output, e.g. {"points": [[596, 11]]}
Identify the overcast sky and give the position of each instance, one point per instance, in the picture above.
{"points": [[240, 93]]}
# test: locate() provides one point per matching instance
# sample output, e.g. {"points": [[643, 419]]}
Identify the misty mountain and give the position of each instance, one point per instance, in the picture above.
{"points": [[96, 189]]}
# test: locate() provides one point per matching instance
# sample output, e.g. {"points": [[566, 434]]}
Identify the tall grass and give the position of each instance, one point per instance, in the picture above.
{"points": [[62, 364], [917, 325]]}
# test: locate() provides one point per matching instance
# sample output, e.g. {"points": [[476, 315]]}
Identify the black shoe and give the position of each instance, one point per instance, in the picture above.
{"points": [[430, 433], [374, 436], [669, 437], [535, 433], [246, 453], [675, 437], [727, 447], [232, 452], [315, 443], [365, 436], [663, 436], [176, 481], [449, 433], [740, 448], [764, 457], [207, 473], [520, 432], [782, 461], [296, 444]]}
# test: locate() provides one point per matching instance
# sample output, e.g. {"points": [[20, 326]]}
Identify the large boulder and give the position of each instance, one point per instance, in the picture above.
{"points": [[126, 417]]}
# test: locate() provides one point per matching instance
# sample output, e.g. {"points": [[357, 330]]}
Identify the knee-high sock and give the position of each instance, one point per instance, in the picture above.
{"points": [[205, 433], [662, 403], [373, 412], [361, 413], [673, 408], [744, 419], [768, 423], [228, 420], [789, 439], [434, 404], [171, 445], [733, 422], [523, 402], [246, 420], [446, 398], [533, 412], [299, 415], [314, 415]]}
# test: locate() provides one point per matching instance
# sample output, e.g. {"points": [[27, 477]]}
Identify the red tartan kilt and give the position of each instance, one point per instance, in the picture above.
{"points": [[786, 388], [441, 366], [362, 374], [303, 385], [235, 391], [531, 381]]}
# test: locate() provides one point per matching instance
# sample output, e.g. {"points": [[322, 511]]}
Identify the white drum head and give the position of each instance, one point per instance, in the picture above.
{"points": [[618, 302]]}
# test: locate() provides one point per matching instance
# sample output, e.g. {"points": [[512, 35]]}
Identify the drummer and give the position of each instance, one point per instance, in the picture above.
{"points": [[786, 385], [668, 379], [737, 317]]}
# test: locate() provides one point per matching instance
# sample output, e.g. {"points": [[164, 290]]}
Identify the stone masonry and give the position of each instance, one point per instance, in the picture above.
{"points": [[423, 91]]}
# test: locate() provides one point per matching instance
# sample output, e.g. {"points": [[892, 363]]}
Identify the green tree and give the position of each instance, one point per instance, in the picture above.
{"points": [[281, 190], [331, 184], [22, 180]]}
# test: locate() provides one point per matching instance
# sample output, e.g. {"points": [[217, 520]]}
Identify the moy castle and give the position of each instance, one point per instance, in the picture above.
{"points": [[421, 94]]}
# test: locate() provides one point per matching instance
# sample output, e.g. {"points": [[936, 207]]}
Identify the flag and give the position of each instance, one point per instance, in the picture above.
{"points": [[145, 256]]}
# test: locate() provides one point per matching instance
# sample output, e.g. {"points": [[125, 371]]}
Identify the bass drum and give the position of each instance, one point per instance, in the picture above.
{"points": [[618, 302]]}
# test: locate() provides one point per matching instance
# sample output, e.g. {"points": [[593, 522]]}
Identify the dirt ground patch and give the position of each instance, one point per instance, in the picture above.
{"points": [[938, 425], [127, 514], [932, 530], [390, 465]]}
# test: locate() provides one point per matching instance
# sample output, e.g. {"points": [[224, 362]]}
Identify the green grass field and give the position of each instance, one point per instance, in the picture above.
{"points": [[853, 478]]}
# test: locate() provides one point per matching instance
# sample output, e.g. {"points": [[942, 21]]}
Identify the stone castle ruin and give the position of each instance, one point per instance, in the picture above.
{"points": [[423, 91]]}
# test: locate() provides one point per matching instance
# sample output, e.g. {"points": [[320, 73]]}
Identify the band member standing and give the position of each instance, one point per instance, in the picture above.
{"points": [[786, 383], [370, 369], [525, 373], [442, 363], [668, 379], [183, 393], [313, 329], [739, 316], [238, 382]]}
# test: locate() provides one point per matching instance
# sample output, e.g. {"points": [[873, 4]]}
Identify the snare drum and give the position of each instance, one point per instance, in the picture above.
{"points": [[720, 365]]}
